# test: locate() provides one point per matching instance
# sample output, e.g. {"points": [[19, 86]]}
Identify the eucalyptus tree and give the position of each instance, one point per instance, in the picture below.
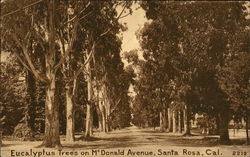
{"points": [[34, 31], [160, 46], [112, 80], [234, 75], [198, 43], [105, 50], [143, 112], [18, 38], [220, 43], [40, 28]]}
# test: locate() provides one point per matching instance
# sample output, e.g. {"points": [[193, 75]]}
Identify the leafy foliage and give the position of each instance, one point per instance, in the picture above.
{"points": [[185, 46], [13, 95]]}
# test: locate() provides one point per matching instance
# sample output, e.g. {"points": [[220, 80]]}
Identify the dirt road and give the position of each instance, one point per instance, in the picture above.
{"points": [[132, 141]]}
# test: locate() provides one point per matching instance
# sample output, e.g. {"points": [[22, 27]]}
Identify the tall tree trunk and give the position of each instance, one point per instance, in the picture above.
{"points": [[224, 134], [217, 121], [179, 122], [52, 138], [70, 113], [174, 121], [103, 116], [102, 106], [99, 116], [107, 109], [104, 119], [161, 122], [91, 121], [98, 107], [165, 118], [186, 121], [32, 103], [70, 117], [89, 105], [88, 121], [247, 122], [170, 126]]}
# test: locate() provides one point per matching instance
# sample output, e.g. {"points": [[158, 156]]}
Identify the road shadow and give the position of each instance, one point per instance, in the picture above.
{"points": [[7, 145], [121, 139], [129, 138]]}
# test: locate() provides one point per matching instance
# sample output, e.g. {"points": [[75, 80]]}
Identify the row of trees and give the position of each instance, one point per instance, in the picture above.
{"points": [[69, 52], [195, 60]]}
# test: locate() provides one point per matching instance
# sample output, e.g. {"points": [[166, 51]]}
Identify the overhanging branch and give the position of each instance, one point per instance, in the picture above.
{"points": [[73, 18], [26, 55], [83, 66], [122, 11], [69, 48], [21, 61]]}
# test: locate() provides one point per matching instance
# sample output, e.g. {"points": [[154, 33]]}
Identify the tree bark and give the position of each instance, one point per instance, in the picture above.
{"points": [[161, 122], [170, 126], [174, 122], [98, 107], [89, 105], [107, 109], [52, 136], [104, 119], [100, 127], [224, 134], [179, 122], [186, 121], [91, 121], [31, 105], [103, 116], [88, 121], [247, 136], [102, 106], [165, 122], [70, 129], [217, 121]]}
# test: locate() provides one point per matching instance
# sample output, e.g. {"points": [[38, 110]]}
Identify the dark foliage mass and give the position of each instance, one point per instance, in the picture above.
{"points": [[66, 71], [196, 56]]}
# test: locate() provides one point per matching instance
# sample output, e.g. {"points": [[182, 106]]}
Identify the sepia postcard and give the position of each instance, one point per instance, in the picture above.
{"points": [[114, 78]]}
